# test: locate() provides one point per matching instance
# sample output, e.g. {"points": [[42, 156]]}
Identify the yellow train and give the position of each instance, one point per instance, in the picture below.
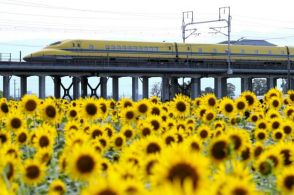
{"points": [[89, 50]]}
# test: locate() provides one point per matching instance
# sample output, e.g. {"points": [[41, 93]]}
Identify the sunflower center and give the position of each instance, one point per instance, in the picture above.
{"points": [[130, 115], [278, 135], [50, 111], [22, 137], [258, 150], [73, 113], [3, 138], [287, 156], [4, 107], [15, 123], [44, 141], [265, 168], [287, 129], [195, 146], [249, 99], [118, 141], [229, 108], [276, 125], [149, 166], [10, 171], [31, 105], [261, 135], [107, 192], [254, 118], [203, 134], [103, 107], [237, 141], [169, 140], [146, 131], [289, 112], [209, 116], [183, 171], [219, 150], [289, 182], [211, 101], [245, 154], [128, 133], [181, 106], [59, 189], [153, 148], [85, 164], [240, 105], [261, 126], [155, 124], [292, 97], [91, 109], [142, 108], [104, 166], [96, 133], [276, 103], [33, 172], [239, 191], [155, 111]]}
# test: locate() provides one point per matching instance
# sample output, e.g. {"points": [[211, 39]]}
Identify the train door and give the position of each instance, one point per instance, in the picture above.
{"points": [[188, 52]]}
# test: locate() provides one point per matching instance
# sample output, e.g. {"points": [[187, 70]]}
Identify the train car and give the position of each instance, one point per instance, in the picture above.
{"points": [[93, 50]]}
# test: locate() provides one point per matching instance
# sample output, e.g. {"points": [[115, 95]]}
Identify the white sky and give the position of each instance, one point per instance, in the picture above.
{"points": [[29, 25]]}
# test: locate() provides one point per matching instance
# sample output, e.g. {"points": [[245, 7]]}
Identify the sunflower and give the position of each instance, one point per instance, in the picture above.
{"points": [[73, 112], [290, 94], [57, 187], [169, 138], [44, 155], [261, 124], [219, 149], [152, 145], [210, 100], [254, 117], [15, 121], [43, 139], [275, 124], [96, 131], [275, 103], [181, 106], [30, 103], [128, 115], [9, 167], [33, 172], [278, 135], [273, 93], [272, 113], [181, 169], [241, 105], [193, 143], [285, 181], [155, 100], [118, 141], [83, 163], [204, 132], [239, 187], [156, 123], [142, 107], [250, 98], [4, 107], [287, 127], [288, 111], [128, 131], [238, 138], [257, 150], [146, 129], [286, 151], [209, 116], [260, 135], [5, 137], [227, 107], [90, 108], [49, 111], [103, 106], [12, 149]]}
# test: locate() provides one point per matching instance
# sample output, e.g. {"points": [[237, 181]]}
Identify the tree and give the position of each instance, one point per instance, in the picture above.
{"points": [[284, 86], [231, 89], [156, 89], [259, 86], [207, 90]]}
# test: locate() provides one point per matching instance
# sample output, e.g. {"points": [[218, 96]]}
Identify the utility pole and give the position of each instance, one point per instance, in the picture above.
{"points": [[193, 31]]}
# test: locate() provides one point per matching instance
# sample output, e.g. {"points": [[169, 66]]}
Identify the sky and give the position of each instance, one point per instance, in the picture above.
{"points": [[28, 26]]}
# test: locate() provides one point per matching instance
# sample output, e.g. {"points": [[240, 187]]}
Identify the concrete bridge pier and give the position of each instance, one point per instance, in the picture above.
{"points": [[115, 91], [103, 89], [135, 88], [271, 82], [165, 89], [42, 87], [76, 87], [84, 86], [195, 87], [23, 85], [145, 87], [57, 86], [174, 87], [220, 86], [6, 87], [246, 84]]}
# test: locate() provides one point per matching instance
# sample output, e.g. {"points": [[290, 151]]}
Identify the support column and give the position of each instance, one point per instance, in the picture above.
{"points": [[115, 91], [174, 87], [103, 89], [23, 85], [42, 86], [6, 88], [84, 86], [292, 83], [76, 87], [165, 89], [195, 87], [220, 86], [246, 84], [57, 85], [145, 87], [271, 82], [135, 88]]}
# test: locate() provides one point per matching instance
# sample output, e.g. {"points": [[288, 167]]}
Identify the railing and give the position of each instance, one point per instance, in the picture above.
{"points": [[5, 57]]}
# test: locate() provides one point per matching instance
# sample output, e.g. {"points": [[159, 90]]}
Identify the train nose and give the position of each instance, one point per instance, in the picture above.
{"points": [[27, 58]]}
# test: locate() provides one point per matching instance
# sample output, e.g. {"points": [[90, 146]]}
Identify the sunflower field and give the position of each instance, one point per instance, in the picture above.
{"points": [[185, 146]]}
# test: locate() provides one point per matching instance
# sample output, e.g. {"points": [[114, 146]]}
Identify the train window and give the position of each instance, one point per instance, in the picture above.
{"points": [[55, 43], [140, 48], [270, 52], [145, 49], [129, 47], [188, 48], [214, 50], [91, 46], [169, 47], [79, 45], [200, 50], [242, 51], [73, 44], [123, 47], [112, 47], [283, 52], [107, 47], [156, 48], [118, 47], [134, 48], [149, 48], [256, 51]]}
